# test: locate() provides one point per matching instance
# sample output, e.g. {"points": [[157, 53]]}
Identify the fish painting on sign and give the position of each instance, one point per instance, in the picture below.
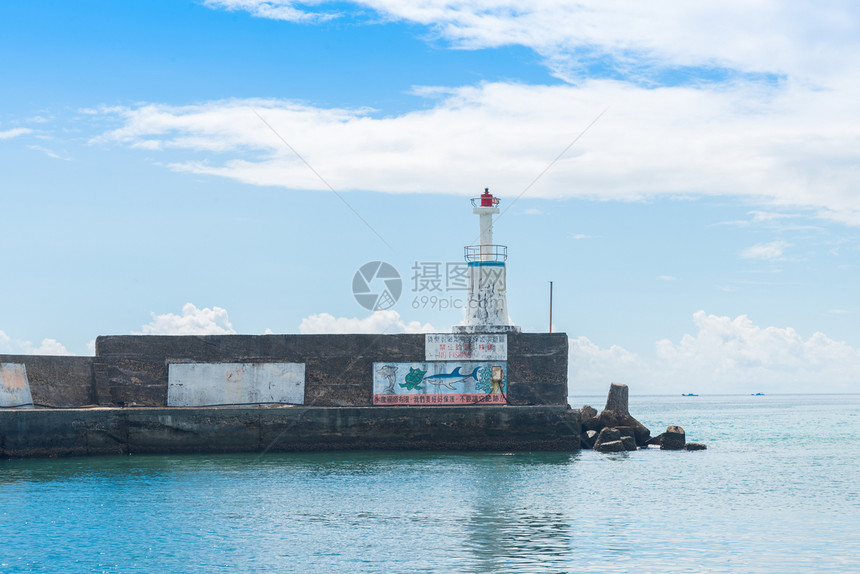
{"points": [[440, 383], [448, 380]]}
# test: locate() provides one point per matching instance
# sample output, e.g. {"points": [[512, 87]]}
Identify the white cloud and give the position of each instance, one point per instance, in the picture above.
{"points": [[14, 132], [755, 105], [786, 146], [735, 353], [50, 347], [767, 216], [48, 152], [724, 356], [592, 368], [777, 221], [387, 321], [192, 321], [767, 251], [667, 278], [17, 347], [288, 10], [802, 39]]}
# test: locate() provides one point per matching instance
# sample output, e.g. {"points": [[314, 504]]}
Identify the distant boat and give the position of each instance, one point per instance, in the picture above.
{"points": [[757, 394], [689, 395]]}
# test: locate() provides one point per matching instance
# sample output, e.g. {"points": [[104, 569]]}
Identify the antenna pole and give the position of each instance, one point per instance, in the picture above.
{"points": [[550, 306]]}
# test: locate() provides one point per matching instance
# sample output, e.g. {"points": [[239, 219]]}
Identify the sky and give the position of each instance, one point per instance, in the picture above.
{"points": [[686, 174]]}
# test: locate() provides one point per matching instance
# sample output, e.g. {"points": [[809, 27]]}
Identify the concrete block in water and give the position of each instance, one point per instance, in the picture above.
{"points": [[673, 439]]}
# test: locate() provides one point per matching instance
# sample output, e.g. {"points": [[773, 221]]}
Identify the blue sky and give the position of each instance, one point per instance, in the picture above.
{"points": [[701, 235]]}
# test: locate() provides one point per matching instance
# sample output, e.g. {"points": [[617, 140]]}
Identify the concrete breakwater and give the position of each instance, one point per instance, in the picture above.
{"points": [[615, 430], [68, 432], [239, 393]]}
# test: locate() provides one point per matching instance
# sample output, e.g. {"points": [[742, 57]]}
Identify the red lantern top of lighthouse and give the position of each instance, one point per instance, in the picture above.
{"points": [[487, 199]]}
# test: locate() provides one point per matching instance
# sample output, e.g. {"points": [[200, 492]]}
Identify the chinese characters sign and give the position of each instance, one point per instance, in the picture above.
{"points": [[478, 347], [446, 383]]}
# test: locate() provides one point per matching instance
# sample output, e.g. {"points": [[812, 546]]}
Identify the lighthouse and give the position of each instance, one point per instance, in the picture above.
{"points": [[487, 307]]}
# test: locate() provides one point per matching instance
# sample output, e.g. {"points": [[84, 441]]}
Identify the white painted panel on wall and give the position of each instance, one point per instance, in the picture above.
{"points": [[14, 386], [209, 384]]}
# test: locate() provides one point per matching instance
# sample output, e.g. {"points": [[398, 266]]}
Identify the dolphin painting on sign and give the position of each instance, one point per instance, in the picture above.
{"points": [[389, 373], [440, 383]]}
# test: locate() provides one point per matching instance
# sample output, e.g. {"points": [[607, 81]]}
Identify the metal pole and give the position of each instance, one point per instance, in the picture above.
{"points": [[550, 306]]}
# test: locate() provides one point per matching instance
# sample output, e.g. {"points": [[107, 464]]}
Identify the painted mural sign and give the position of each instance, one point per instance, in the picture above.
{"points": [[444, 383], [210, 384], [477, 347], [14, 386]]}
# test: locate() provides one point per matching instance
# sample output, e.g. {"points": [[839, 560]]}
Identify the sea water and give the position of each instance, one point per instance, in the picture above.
{"points": [[776, 491]]}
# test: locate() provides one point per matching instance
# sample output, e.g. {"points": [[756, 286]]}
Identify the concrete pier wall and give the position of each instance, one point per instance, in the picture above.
{"points": [[117, 402], [58, 382], [68, 432], [133, 370]]}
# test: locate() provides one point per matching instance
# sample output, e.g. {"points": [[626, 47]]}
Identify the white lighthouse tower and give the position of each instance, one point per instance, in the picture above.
{"points": [[487, 307]]}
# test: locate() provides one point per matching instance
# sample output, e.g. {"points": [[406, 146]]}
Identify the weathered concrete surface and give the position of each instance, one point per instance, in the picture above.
{"points": [[133, 370], [610, 446], [62, 432], [125, 381], [14, 387], [617, 400], [339, 368], [68, 432], [238, 384], [58, 381], [673, 439], [537, 368], [587, 438], [589, 417], [616, 414]]}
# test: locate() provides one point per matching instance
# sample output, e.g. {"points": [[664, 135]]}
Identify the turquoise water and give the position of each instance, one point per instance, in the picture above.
{"points": [[776, 491]]}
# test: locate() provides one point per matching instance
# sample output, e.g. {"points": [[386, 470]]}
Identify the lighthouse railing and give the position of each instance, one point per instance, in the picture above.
{"points": [[486, 253], [477, 201]]}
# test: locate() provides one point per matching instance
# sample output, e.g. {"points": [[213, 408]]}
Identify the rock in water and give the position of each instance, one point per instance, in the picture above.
{"points": [[628, 437], [588, 415], [607, 435], [629, 442], [611, 446], [617, 399], [694, 446], [606, 419], [587, 438], [617, 414], [673, 439], [655, 441]]}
